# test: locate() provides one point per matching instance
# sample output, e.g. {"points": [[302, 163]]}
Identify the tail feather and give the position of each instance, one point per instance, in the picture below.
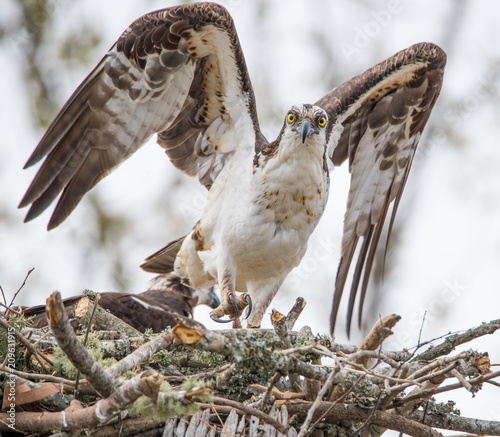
{"points": [[163, 260]]}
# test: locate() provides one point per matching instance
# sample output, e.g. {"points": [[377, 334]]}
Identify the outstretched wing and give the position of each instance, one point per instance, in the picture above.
{"points": [[179, 72], [378, 118]]}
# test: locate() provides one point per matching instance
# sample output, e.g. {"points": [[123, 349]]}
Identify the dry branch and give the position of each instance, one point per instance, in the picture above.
{"points": [[103, 319], [25, 342], [458, 423], [280, 325], [364, 400], [458, 385], [280, 396], [376, 336], [295, 312], [304, 430], [454, 340], [356, 414], [128, 427], [76, 417], [140, 355], [267, 394], [249, 410], [75, 351], [37, 376]]}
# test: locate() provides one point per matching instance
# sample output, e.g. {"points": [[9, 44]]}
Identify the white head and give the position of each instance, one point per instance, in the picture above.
{"points": [[307, 124], [304, 133]]}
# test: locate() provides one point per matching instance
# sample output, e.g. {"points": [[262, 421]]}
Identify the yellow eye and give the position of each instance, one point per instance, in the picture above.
{"points": [[322, 122], [290, 118]]}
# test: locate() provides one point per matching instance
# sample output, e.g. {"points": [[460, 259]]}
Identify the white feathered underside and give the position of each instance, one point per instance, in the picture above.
{"points": [[371, 189]]}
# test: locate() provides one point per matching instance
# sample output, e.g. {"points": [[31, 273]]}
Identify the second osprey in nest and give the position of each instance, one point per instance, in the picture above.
{"points": [[180, 72]]}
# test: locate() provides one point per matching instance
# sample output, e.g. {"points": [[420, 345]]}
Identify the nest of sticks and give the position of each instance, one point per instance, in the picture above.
{"points": [[185, 381]]}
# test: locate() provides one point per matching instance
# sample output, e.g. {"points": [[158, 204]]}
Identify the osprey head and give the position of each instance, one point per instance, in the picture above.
{"points": [[306, 121]]}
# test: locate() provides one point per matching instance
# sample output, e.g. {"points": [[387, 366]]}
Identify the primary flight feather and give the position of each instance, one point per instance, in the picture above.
{"points": [[180, 72]]}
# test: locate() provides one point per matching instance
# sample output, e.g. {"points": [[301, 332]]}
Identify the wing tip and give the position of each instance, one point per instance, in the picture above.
{"points": [[433, 54], [32, 160], [337, 297], [54, 222], [333, 319], [23, 203], [32, 213], [30, 196]]}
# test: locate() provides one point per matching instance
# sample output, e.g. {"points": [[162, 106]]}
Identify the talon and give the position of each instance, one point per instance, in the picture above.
{"points": [[215, 319], [249, 301], [233, 301]]}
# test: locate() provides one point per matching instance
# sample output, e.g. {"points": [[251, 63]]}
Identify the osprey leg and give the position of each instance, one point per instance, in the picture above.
{"points": [[262, 299], [231, 305]]}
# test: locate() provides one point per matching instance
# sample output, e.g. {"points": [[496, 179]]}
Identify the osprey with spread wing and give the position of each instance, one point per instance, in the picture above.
{"points": [[180, 72]]}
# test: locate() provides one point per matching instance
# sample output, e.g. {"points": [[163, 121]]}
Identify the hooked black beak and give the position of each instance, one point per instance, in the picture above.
{"points": [[306, 129], [214, 301]]}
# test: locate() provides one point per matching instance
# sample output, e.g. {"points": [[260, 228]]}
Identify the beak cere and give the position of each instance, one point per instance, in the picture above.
{"points": [[306, 129]]}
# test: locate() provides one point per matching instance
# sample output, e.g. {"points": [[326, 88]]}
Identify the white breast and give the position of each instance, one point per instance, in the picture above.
{"points": [[266, 217]]}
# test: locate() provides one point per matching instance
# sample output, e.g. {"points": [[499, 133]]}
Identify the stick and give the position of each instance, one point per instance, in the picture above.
{"points": [[9, 310], [430, 392], [3, 296], [304, 429], [140, 355], [462, 380], [89, 324], [103, 319], [422, 374], [67, 384], [380, 331], [352, 413], [455, 340], [26, 375], [25, 342], [280, 326], [22, 285], [76, 417], [459, 423], [267, 395], [291, 364], [295, 312], [279, 395], [132, 426], [75, 351], [248, 410]]}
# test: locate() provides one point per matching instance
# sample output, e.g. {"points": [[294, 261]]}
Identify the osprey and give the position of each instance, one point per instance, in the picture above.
{"points": [[180, 72], [165, 302]]}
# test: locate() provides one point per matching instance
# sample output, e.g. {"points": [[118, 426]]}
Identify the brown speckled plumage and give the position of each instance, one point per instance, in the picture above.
{"points": [[180, 73], [403, 104], [157, 308]]}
